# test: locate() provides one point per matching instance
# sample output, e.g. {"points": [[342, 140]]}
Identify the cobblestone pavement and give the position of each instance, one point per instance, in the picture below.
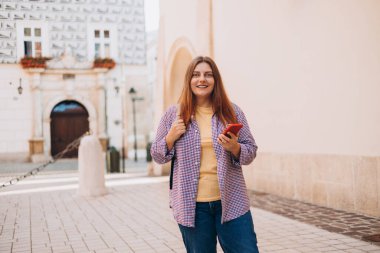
{"points": [[357, 226], [44, 214]]}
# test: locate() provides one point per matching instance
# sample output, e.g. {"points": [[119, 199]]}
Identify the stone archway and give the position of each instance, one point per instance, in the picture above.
{"points": [[48, 108], [181, 54], [180, 57], [69, 121]]}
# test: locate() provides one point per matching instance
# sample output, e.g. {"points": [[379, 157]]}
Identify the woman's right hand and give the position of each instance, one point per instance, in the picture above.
{"points": [[176, 131]]}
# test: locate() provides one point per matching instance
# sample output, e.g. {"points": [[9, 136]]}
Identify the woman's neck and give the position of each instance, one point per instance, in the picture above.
{"points": [[203, 102]]}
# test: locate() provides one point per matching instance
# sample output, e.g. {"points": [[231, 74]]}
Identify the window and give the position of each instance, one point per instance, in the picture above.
{"points": [[37, 32], [28, 48], [107, 52], [37, 49], [32, 39], [102, 43], [32, 42], [27, 32], [97, 50]]}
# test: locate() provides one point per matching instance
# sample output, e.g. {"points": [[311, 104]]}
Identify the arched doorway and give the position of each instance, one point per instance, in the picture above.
{"points": [[178, 68], [69, 120]]}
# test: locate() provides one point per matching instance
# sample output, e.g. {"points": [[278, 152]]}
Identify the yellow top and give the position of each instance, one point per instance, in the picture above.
{"points": [[208, 187]]}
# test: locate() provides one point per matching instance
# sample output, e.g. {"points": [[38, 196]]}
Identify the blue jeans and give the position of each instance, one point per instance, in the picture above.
{"points": [[237, 235]]}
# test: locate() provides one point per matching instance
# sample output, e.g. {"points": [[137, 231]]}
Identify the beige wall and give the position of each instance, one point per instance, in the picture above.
{"points": [[310, 70], [175, 78], [185, 19], [350, 183], [306, 75]]}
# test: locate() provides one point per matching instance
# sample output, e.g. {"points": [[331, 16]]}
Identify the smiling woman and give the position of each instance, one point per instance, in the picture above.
{"points": [[207, 192]]}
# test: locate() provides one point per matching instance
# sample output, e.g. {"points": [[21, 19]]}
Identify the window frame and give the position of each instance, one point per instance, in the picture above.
{"points": [[102, 40], [22, 38]]}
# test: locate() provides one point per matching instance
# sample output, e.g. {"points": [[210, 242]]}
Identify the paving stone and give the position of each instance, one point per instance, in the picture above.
{"points": [[337, 221], [136, 218], [354, 251], [370, 248]]}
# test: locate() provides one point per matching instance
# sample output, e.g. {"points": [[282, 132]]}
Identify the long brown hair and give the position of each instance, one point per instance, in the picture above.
{"points": [[221, 104]]}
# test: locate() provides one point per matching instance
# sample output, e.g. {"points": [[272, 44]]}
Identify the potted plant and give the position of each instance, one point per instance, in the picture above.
{"points": [[104, 63], [34, 62]]}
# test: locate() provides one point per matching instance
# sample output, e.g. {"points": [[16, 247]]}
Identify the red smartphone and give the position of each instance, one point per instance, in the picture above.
{"points": [[233, 128]]}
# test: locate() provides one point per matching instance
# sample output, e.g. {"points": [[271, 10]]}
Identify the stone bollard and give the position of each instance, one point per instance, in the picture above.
{"points": [[91, 168], [150, 169]]}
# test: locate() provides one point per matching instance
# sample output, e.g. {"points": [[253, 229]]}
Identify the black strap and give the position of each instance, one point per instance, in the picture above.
{"points": [[172, 162], [171, 173]]}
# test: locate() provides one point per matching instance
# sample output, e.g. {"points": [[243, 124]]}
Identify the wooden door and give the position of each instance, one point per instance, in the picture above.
{"points": [[69, 120]]}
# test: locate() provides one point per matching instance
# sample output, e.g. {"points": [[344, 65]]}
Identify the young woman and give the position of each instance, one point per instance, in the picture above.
{"points": [[208, 195]]}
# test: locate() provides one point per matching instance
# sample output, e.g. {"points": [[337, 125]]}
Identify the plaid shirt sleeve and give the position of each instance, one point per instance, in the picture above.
{"points": [[247, 143], [159, 150]]}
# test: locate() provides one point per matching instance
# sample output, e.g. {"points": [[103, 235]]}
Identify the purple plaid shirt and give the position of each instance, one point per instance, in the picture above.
{"points": [[187, 150]]}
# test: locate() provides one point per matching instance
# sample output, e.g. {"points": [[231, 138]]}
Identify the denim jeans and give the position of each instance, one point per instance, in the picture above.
{"points": [[235, 236]]}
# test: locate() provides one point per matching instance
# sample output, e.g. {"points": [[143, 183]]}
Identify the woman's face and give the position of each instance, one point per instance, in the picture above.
{"points": [[202, 81]]}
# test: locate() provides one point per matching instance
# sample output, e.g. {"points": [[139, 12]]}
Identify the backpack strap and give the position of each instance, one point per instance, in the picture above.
{"points": [[171, 174], [178, 112]]}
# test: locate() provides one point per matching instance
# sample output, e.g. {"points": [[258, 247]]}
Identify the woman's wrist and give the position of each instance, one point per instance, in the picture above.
{"points": [[169, 142], [236, 151]]}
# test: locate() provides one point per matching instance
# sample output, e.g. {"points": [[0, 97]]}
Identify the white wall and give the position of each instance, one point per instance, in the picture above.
{"points": [[309, 71], [15, 112]]}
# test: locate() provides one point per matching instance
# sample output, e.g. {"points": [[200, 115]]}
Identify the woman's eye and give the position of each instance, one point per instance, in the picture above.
{"points": [[196, 75], [209, 75]]}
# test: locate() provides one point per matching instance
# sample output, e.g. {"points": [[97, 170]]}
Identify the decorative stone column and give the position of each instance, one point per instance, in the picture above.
{"points": [[36, 143], [102, 134]]}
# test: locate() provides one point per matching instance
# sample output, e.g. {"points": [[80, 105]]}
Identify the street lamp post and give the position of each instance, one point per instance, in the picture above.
{"points": [[134, 98], [122, 135], [117, 89]]}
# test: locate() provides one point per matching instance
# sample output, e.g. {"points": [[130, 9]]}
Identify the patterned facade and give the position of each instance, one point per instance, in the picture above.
{"points": [[69, 26], [73, 33]]}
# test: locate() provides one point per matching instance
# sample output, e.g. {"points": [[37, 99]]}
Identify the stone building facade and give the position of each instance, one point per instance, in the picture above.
{"points": [[89, 28], [72, 33]]}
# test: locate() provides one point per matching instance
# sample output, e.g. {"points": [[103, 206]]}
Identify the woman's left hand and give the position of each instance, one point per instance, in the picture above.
{"points": [[230, 144]]}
